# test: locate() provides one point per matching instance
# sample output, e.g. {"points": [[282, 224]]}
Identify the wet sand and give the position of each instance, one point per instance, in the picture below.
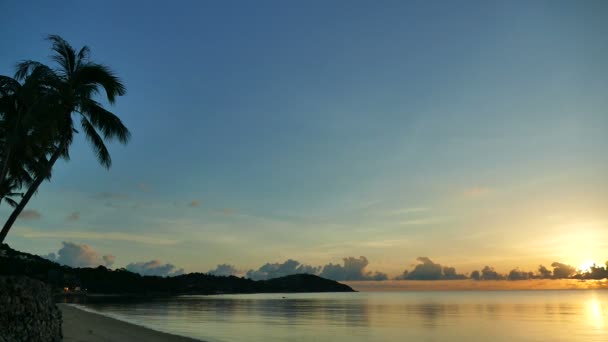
{"points": [[83, 326]]}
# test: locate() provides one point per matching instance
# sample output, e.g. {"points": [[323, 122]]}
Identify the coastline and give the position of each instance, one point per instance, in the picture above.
{"points": [[81, 325]]}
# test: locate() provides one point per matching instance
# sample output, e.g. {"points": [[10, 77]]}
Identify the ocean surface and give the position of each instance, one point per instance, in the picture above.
{"points": [[553, 315]]}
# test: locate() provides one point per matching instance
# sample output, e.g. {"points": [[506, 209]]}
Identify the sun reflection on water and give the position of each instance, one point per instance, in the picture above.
{"points": [[595, 312]]}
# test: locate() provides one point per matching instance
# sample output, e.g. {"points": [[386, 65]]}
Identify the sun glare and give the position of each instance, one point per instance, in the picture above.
{"points": [[586, 265]]}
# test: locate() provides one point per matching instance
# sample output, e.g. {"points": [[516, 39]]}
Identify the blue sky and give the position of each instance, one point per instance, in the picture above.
{"points": [[470, 132]]}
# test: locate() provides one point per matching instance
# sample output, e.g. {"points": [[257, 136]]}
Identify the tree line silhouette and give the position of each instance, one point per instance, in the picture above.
{"points": [[121, 281]]}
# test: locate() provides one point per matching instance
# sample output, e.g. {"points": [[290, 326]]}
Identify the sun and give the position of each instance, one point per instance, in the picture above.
{"points": [[586, 265]]}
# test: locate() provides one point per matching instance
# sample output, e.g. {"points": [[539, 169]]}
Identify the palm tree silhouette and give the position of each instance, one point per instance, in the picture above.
{"points": [[24, 133], [71, 88]]}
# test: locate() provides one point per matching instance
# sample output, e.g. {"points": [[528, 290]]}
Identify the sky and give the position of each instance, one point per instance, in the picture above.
{"points": [[473, 133]]}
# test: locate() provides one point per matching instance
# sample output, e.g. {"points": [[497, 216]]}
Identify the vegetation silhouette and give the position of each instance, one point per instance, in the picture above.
{"points": [[38, 119], [102, 280]]}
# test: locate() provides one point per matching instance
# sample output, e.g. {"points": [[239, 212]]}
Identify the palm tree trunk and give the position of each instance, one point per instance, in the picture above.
{"points": [[32, 190]]}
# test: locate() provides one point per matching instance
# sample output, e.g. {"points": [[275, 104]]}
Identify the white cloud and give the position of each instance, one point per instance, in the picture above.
{"points": [[80, 255]]}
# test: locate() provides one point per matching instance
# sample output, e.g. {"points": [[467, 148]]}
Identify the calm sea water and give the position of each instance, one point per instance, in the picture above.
{"points": [[565, 315]]}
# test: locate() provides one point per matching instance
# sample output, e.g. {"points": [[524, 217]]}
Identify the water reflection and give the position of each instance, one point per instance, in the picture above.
{"points": [[596, 313], [455, 316]]}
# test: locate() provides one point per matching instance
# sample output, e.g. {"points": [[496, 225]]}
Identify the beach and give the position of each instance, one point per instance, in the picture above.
{"points": [[79, 325]]}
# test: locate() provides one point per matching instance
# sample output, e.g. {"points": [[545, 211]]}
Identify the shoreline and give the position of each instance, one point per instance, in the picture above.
{"points": [[83, 325]]}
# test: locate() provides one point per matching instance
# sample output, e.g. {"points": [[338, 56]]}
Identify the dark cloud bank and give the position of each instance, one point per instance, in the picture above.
{"points": [[224, 270], [154, 268], [350, 269], [428, 270]]}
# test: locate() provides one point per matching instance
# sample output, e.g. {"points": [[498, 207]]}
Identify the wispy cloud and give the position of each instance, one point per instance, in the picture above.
{"points": [[227, 211], [405, 211], [476, 191], [110, 196], [123, 205], [75, 216], [424, 221], [385, 243], [112, 236], [30, 214], [194, 204], [145, 187]]}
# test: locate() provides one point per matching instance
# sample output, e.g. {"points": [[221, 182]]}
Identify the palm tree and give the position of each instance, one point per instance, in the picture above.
{"points": [[72, 86], [22, 131]]}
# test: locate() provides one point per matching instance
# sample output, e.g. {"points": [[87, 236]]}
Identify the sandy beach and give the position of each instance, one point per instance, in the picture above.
{"points": [[82, 326]]}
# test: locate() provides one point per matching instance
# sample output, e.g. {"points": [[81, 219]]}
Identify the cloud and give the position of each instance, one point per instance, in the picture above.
{"points": [[116, 205], [428, 270], [116, 200], [544, 272], [143, 187], [424, 221], [488, 273], [476, 191], [224, 270], [194, 204], [51, 256], [269, 271], [110, 195], [227, 211], [155, 268], [80, 255], [75, 216], [516, 274], [562, 270], [352, 269], [109, 260], [405, 211], [30, 214], [116, 236]]}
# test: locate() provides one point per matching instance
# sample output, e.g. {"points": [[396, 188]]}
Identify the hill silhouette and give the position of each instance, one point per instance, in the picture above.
{"points": [[101, 280]]}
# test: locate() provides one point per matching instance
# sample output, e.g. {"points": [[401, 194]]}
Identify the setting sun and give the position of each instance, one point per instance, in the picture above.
{"points": [[586, 265]]}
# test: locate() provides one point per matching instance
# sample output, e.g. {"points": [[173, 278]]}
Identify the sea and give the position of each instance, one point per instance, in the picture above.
{"points": [[522, 315]]}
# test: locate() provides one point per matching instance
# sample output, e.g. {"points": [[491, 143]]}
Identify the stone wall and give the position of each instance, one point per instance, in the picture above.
{"points": [[27, 311]]}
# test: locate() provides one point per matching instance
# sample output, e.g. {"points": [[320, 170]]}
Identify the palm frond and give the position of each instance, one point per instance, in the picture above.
{"points": [[11, 202], [103, 156], [65, 55], [24, 68], [110, 125], [98, 74], [82, 57]]}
